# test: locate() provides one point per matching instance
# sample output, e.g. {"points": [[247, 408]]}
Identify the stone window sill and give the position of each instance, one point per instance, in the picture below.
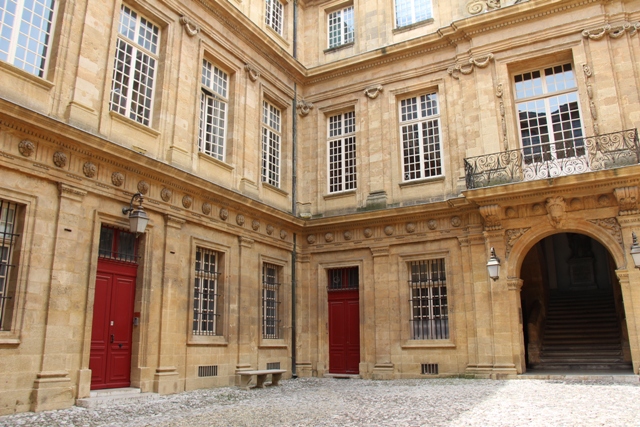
{"points": [[413, 26], [127, 121], [428, 344]]}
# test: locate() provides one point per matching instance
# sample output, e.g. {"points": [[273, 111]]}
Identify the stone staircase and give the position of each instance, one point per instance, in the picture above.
{"points": [[109, 397], [582, 333]]}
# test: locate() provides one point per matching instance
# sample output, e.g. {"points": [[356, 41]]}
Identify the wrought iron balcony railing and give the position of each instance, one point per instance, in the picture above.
{"points": [[567, 157]]}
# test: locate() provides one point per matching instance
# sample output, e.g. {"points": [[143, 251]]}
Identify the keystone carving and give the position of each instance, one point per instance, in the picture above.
{"points": [[26, 148], [252, 71], [556, 210], [627, 200], [304, 107], [189, 26], [491, 215], [373, 92]]}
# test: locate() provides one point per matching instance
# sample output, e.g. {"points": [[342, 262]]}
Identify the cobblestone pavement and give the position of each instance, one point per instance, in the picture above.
{"points": [[336, 402]]}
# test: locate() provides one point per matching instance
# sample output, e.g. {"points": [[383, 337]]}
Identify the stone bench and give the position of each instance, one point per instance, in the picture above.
{"points": [[261, 376]]}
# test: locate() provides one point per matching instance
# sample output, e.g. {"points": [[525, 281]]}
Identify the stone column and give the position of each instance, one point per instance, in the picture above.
{"points": [[383, 368], [68, 286], [249, 307], [514, 285], [166, 379], [307, 318]]}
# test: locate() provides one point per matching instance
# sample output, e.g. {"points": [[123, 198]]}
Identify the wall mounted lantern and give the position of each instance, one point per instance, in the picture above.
{"points": [[635, 250], [138, 218], [493, 265]]}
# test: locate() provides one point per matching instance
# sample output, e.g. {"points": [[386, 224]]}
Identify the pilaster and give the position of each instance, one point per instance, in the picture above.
{"points": [[249, 312], [383, 367]]}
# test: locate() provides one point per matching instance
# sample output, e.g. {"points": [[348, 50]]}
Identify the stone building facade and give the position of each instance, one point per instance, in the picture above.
{"points": [[325, 182]]}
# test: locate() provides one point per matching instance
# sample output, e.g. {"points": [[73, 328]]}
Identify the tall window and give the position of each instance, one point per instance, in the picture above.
{"points": [[548, 113], [207, 295], [429, 307], [271, 136], [134, 68], [270, 301], [341, 28], [411, 11], [420, 133], [25, 33], [8, 237], [213, 111], [342, 152], [274, 15]]}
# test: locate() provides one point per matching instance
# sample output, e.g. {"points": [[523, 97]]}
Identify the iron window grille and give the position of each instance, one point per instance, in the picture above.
{"points": [[273, 365], [8, 239], [420, 134], [343, 279], [207, 296], [342, 152], [213, 111], [274, 15], [134, 68], [412, 11], [26, 28], [271, 135], [429, 305], [118, 245], [429, 369], [341, 27], [208, 371], [270, 301]]}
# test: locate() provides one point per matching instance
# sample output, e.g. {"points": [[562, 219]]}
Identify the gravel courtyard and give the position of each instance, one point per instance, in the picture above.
{"points": [[352, 402]]}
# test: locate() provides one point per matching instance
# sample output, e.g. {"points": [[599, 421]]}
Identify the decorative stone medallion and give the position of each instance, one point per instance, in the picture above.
{"points": [[26, 148], [538, 209], [117, 179], [410, 227], [89, 170], [388, 230], [187, 201], [240, 219], [432, 224], [143, 187], [59, 159], [269, 229], [348, 235], [367, 232], [224, 214], [328, 237], [311, 239], [255, 225], [603, 200], [206, 208], [511, 213], [283, 234], [166, 194], [456, 221]]}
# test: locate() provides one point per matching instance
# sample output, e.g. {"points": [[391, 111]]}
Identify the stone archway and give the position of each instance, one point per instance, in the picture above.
{"points": [[572, 311]]}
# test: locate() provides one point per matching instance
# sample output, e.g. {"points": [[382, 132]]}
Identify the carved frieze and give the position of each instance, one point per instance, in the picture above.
{"points": [[89, 169], [613, 31], [348, 235], [143, 187], [328, 237], [367, 232], [255, 225], [432, 224], [468, 67], [556, 210], [475, 7], [627, 200], [187, 201], [511, 237], [283, 234], [26, 148], [166, 194], [612, 226], [311, 239], [117, 179], [240, 219], [206, 208], [269, 229], [388, 230], [410, 227], [224, 214], [456, 221], [491, 215], [59, 159]]}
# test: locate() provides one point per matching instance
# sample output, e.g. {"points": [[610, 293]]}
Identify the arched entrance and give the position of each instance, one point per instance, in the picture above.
{"points": [[572, 310]]}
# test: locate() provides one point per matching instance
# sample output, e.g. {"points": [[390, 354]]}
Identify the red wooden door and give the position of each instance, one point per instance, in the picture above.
{"points": [[110, 359], [344, 321]]}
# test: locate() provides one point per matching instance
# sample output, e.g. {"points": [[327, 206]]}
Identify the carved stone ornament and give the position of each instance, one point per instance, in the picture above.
{"points": [[491, 215], [224, 214], [311, 239], [304, 107], [627, 200], [117, 179], [456, 221], [255, 225], [511, 237], [367, 232], [475, 7], [187, 201], [432, 224], [59, 159], [89, 169], [556, 210], [576, 204], [252, 71], [347, 235], [166, 194], [603, 200], [613, 31], [26, 148], [467, 68], [538, 209], [514, 284], [269, 229], [388, 230], [206, 208], [240, 219], [190, 26], [143, 187], [503, 121], [373, 91], [612, 226], [328, 237], [283, 234], [410, 227], [511, 212]]}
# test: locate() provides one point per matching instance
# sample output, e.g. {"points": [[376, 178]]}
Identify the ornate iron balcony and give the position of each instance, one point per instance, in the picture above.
{"points": [[548, 160]]}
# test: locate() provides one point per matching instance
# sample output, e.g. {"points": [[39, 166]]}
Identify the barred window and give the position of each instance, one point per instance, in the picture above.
{"points": [[213, 111], [341, 27], [429, 306], [8, 247], [26, 28], [411, 11], [270, 301], [343, 279], [207, 293], [420, 134], [274, 15], [134, 68], [271, 136], [117, 245], [342, 152]]}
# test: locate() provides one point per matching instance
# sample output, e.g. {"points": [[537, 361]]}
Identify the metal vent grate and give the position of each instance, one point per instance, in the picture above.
{"points": [[208, 371], [273, 365], [429, 369]]}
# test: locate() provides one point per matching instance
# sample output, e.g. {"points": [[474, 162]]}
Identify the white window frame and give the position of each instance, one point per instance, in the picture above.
{"points": [[271, 143], [8, 248], [421, 137], [271, 294], [341, 27], [409, 12], [429, 301], [341, 152], [207, 290], [18, 52], [274, 15], [214, 111], [137, 48]]}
